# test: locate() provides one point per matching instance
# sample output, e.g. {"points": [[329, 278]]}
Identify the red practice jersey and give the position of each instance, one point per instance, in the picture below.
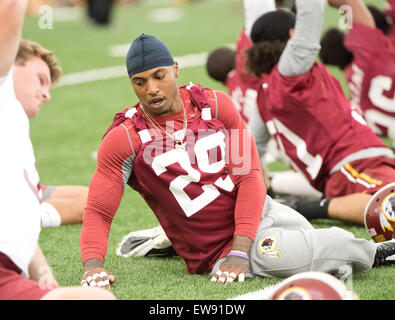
{"points": [[371, 77], [312, 123], [242, 86], [202, 196]]}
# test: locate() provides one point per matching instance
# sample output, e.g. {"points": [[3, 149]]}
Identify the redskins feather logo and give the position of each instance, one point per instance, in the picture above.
{"points": [[268, 247]]}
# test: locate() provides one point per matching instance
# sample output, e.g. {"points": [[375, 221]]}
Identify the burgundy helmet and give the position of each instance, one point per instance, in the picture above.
{"points": [[379, 214], [313, 285]]}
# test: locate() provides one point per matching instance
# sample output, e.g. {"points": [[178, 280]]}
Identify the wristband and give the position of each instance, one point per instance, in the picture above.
{"points": [[240, 254]]}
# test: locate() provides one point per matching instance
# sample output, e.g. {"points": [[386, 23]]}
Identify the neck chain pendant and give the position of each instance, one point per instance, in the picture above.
{"points": [[179, 145]]}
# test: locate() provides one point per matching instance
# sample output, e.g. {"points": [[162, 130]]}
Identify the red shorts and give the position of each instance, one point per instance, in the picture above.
{"points": [[361, 176], [13, 286]]}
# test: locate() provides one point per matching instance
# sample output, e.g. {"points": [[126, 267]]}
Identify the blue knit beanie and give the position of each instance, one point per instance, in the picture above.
{"points": [[147, 52]]}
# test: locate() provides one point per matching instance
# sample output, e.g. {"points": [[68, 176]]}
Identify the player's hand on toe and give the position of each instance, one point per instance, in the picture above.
{"points": [[231, 269], [97, 277]]}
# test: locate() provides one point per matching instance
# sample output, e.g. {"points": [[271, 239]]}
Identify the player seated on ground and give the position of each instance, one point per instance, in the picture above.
{"points": [[24, 272], [61, 204], [226, 66], [366, 55], [214, 210]]}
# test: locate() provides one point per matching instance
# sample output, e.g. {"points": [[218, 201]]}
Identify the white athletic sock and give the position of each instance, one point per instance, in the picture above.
{"points": [[50, 217], [290, 182]]}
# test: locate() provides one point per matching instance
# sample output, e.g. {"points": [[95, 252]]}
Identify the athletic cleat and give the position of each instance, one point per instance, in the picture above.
{"points": [[385, 254], [146, 243], [291, 201]]}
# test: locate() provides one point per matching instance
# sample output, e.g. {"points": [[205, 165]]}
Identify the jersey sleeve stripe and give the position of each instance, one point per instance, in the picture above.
{"points": [[130, 140]]}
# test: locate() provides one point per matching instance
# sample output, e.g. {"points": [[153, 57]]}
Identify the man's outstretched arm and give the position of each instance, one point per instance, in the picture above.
{"points": [[12, 13]]}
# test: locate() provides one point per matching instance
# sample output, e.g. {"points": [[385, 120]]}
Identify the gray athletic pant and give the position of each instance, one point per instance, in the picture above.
{"points": [[286, 244]]}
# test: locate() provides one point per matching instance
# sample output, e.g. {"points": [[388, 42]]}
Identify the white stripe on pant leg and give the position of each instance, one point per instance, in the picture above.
{"points": [[290, 182]]}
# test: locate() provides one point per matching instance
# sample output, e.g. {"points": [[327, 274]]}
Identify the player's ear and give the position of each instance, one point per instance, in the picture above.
{"points": [[291, 32], [175, 68]]}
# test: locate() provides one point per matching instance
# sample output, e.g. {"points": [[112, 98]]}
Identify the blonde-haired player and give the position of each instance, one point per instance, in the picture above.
{"points": [[35, 71], [24, 273]]}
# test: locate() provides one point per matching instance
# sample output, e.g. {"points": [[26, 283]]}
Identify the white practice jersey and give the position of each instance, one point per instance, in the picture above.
{"points": [[19, 192]]}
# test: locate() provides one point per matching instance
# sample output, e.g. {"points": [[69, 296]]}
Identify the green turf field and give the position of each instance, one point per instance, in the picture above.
{"points": [[69, 128]]}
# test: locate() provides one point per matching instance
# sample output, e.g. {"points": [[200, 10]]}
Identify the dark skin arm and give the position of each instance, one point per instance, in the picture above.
{"points": [[249, 203], [94, 271], [233, 264]]}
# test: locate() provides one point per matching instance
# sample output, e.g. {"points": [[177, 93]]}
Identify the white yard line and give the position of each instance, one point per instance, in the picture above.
{"points": [[92, 75], [62, 14], [262, 294], [166, 15], [186, 61]]}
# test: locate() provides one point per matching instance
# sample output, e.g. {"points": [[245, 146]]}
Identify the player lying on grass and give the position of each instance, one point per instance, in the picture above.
{"points": [[61, 204], [180, 148], [24, 272]]}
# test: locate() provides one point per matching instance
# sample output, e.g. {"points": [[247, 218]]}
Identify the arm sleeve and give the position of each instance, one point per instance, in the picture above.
{"points": [[253, 9], [105, 193], [10, 33], [244, 169], [302, 49]]}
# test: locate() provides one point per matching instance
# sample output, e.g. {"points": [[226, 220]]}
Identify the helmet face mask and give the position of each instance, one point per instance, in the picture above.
{"points": [[388, 207], [379, 214]]}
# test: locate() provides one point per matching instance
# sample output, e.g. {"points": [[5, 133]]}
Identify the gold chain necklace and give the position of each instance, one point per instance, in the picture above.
{"points": [[178, 140]]}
